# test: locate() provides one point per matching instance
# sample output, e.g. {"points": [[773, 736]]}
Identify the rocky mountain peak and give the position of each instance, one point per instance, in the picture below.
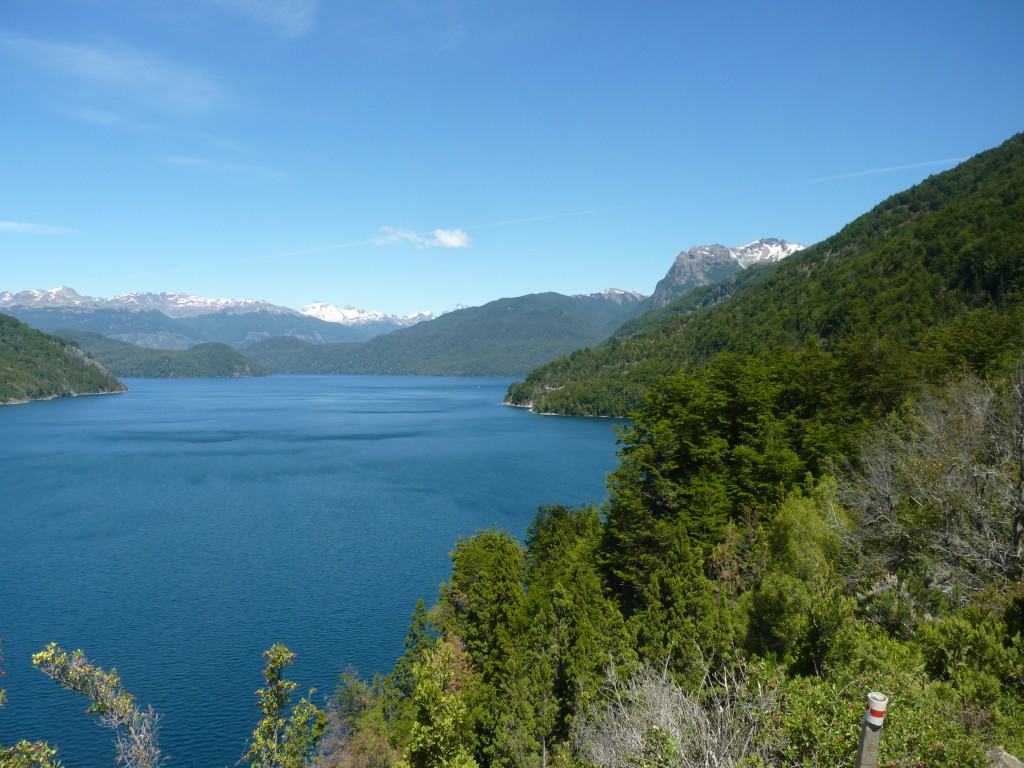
{"points": [[706, 264]]}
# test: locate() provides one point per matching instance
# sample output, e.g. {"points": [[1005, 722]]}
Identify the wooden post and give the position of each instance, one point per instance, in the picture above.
{"points": [[867, 750]]}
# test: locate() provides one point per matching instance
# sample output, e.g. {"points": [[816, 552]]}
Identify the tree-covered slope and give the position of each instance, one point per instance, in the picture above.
{"points": [[210, 360], [35, 366], [502, 338], [929, 280]]}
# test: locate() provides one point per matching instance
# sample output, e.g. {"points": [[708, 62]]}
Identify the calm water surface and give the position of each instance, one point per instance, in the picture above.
{"points": [[177, 531]]}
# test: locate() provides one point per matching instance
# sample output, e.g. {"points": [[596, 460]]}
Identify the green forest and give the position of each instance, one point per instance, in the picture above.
{"points": [[212, 359], [819, 493], [34, 366]]}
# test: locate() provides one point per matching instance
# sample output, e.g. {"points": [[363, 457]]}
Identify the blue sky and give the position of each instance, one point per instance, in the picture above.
{"points": [[406, 155]]}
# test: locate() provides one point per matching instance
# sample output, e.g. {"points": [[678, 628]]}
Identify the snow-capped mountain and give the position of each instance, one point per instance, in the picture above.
{"points": [[616, 295], [188, 305], [349, 315], [767, 249], [706, 264], [61, 296], [170, 304], [179, 305]]}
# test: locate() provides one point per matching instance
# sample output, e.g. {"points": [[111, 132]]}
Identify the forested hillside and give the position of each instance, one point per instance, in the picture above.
{"points": [[929, 281], [506, 337], [35, 366], [210, 360]]}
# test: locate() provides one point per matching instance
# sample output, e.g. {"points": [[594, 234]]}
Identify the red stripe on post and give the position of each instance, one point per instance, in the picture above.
{"points": [[876, 713]]}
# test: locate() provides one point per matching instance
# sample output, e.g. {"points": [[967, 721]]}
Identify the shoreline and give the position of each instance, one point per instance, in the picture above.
{"points": [[58, 396]]}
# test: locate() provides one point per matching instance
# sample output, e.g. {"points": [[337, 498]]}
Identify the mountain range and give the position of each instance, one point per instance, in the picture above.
{"points": [[180, 320], [706, 264], [179, 305], [506, 337]]}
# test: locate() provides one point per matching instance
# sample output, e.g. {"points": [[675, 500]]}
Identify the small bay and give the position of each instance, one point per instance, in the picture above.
{"points": [[177, 531]]}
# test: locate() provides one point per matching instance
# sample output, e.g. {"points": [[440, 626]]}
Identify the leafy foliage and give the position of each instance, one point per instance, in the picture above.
{"points": [[283, 739], [136, 729], [25, 754]]}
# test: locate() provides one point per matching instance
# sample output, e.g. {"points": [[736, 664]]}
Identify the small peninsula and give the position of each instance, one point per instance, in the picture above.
{"points": [[37, 366]]}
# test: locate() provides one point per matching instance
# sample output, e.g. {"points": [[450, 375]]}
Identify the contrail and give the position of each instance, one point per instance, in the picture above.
{"points": [[877, 171], [549, 216], [307, 251]]}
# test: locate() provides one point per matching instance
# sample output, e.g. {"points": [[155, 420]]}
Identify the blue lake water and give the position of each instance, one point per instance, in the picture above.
{"points": [[177, 531]]}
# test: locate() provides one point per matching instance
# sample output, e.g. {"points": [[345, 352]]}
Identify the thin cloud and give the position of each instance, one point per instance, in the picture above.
{"points": [[137, 75], [224, 170], [25, 228], [288, 18], [439, 238], [879, 171], [318, 249]]}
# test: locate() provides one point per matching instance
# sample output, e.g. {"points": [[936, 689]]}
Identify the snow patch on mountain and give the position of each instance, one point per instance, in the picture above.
{"points": [[349, 315], [767, 249], [706, 264], [188, 305], [170, 304], [61, 296], [616, 295]]}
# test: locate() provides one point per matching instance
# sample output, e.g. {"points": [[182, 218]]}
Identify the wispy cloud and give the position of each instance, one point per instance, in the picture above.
{"points": [[879, 171], [25, 228], [289, 18], [219, 168], [439, 238], [122, 71], [438, 25]]}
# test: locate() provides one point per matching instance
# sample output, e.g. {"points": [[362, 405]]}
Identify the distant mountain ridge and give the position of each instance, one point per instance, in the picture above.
{"points": [[179, 320], [184, 305], [707, 264], [505, 337]]}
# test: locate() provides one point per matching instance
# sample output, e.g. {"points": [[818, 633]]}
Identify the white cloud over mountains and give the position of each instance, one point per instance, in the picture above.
{"points": [[439, 238]]}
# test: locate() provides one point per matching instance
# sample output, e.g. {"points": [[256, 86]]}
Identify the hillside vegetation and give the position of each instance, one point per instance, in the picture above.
{"points": [[824, 497], [36, 366], [210, 360], [506, 337], [927, 282]]}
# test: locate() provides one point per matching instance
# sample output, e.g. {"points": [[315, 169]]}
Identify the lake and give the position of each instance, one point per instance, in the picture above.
{"points": [[179, 530]]}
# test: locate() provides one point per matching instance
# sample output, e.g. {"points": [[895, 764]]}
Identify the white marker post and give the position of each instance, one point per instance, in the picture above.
{"points": [[874, 715]]}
